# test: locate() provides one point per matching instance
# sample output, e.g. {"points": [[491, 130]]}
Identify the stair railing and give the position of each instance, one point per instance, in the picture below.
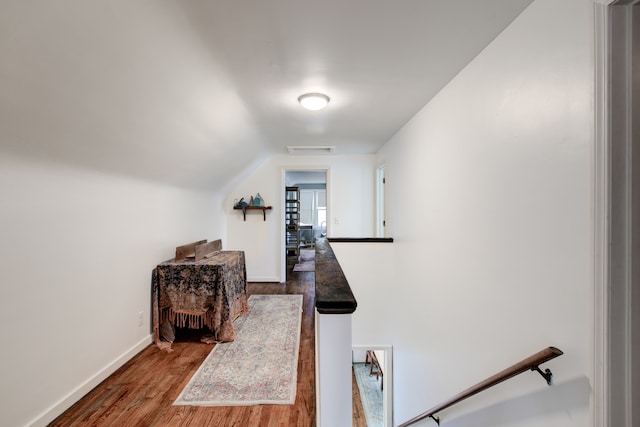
{"points": [[531, 363]]}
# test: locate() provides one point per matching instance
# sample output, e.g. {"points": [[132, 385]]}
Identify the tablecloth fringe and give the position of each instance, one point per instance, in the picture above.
{"points": [[188, 319]]}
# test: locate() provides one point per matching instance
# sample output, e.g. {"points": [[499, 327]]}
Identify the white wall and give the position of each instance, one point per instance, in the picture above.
{"points": [[489, 189], [350, 184], [369, 269], [76, 256], [124, 87]]}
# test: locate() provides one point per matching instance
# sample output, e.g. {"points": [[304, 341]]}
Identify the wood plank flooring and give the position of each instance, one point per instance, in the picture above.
{"points": [[141, 393]]}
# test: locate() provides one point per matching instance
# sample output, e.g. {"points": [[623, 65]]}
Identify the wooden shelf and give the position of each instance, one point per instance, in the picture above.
{"points": [[264, 210], [292, 221]]}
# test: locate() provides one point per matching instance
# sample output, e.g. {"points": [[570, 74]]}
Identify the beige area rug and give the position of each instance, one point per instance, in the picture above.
{"points": [[307, 260], [260, 366], [307, 254]]}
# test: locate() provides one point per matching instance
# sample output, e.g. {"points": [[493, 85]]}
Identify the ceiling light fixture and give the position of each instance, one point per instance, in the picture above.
{"points": [[313, 101]]}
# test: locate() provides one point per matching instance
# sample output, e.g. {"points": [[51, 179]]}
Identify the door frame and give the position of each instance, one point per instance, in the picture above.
{"points": [[615, 229], [283, 173]]}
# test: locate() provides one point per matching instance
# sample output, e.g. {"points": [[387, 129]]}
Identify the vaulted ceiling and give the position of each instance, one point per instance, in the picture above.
{"points": [[191, 92]]}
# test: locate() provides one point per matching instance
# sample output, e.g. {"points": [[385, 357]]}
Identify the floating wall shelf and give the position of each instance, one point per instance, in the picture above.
{"points": [[264, 210]]}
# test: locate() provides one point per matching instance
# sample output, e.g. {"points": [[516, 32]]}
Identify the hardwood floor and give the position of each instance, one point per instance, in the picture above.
{"points": [[141, 392]]}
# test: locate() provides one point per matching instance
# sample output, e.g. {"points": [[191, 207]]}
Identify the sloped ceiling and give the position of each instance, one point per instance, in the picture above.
{"points": [[192, 92]]}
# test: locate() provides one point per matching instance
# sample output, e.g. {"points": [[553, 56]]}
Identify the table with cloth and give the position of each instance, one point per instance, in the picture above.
{"points": [[211, 292]]}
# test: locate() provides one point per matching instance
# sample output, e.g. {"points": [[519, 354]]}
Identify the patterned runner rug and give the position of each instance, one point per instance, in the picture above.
{"points": [[370, 394], [260, 366]]}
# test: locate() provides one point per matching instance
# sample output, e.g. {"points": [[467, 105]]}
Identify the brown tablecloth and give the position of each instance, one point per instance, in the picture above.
{"points": [[211, 292]]}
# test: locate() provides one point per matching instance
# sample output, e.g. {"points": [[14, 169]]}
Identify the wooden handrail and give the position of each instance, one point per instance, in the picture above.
{"points": [[530, 363]]}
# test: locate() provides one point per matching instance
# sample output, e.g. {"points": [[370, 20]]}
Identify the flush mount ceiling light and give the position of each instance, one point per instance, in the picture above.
{"points": [[313, 101]]}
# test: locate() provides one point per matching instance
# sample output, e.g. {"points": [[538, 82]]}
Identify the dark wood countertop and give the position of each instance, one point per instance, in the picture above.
{"points": [[333, 293], [360, 239]]}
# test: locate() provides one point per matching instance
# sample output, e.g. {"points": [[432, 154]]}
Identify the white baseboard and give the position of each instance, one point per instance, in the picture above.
{"points": [[263, 279], [79, 392]]}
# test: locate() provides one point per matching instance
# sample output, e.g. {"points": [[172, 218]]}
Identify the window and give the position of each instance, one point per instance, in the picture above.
{"points": [[313, 209]]}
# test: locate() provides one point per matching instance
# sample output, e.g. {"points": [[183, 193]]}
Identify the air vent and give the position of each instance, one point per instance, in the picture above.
{"points": [[310, 149]]}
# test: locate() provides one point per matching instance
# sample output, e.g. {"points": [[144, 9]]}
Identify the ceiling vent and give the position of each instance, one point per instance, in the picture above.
{"points": [[310, 149]]}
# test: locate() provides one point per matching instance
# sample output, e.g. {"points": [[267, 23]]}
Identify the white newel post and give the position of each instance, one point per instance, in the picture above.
{"points": [[333, 370]]}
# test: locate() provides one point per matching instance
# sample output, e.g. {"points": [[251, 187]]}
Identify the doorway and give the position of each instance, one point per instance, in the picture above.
{"points": [[381, 222], [373, 371], [305, 212]]}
